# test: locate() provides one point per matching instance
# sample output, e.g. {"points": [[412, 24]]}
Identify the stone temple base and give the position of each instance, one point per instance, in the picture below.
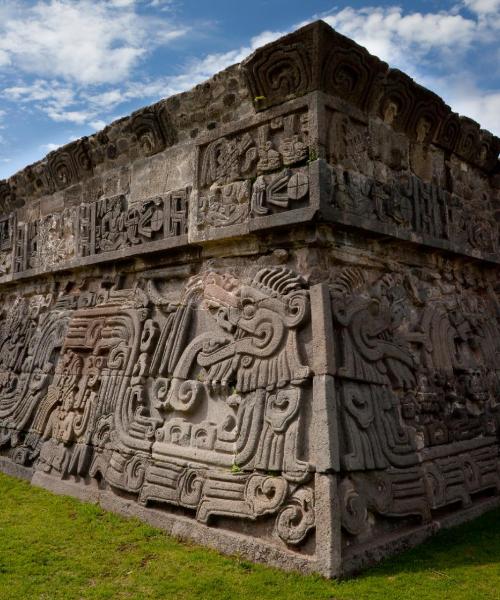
{"points": [[263, 315], [244, 544]]}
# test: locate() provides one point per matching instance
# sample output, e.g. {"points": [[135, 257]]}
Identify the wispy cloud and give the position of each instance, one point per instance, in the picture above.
{"points": [[81, 41], [49, 147], [483, 7], [73, 59]]}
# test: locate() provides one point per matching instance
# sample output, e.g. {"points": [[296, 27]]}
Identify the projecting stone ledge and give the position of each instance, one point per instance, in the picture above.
{"points": [[263, 314]]}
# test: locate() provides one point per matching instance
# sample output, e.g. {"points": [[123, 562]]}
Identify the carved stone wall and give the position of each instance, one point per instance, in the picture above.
{"points": [[263, 314]]}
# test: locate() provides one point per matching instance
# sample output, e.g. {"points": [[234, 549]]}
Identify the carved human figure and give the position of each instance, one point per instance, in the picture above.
{"points": [[293, 150], [113, 234], [423, 128], [269, 158], [391, 110]]}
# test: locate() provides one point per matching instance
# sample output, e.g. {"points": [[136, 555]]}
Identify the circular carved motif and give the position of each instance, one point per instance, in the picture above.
{"points": [[298, 186]]}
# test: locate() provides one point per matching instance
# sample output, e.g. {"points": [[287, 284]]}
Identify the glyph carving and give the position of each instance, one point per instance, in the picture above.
{"points": [[110, 224], [417, 207]]}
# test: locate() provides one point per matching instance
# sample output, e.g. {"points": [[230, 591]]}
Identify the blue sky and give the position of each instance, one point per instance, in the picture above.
{"points": [[68, 67]]}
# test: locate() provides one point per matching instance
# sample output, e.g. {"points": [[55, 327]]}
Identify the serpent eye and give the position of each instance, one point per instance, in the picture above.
{"points": [[249, 309]]}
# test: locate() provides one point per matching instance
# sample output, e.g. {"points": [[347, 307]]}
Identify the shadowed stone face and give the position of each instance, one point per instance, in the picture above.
{"points": [[269, 324]]}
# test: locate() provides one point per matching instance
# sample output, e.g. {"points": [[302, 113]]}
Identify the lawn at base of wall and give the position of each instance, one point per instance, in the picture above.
{"points": [[55, 547]]}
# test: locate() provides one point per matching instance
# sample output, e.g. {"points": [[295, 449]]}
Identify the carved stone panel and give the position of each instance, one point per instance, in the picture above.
{"points": [[196, 401], [110, 224], [418, 381], [7, 231], [412, 209], [258, 172]]}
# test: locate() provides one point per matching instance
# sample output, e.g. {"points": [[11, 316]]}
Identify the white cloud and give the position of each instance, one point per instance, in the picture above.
{"points": [[265, 38], [40, 90], [483, 7], [107, 99], [52, 97], [483, 107], [97, 125], [79, 117], [122, 3], [81, 41], [162, 5], [49, 147]]}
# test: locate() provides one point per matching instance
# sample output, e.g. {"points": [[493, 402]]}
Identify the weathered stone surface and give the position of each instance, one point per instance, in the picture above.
{"points": [[263, 314]]}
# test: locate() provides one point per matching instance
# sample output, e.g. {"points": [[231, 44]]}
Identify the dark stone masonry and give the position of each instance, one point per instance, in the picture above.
{"points": [[263, 314]]}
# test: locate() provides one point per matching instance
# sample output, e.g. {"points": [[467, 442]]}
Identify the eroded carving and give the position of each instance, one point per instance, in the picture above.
{"points": [[416, 206], [418, 385], [168, 400], [255, 173]]}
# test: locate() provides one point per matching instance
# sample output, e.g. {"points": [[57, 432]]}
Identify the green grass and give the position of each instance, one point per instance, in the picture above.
{"points": [[55, 547]]}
